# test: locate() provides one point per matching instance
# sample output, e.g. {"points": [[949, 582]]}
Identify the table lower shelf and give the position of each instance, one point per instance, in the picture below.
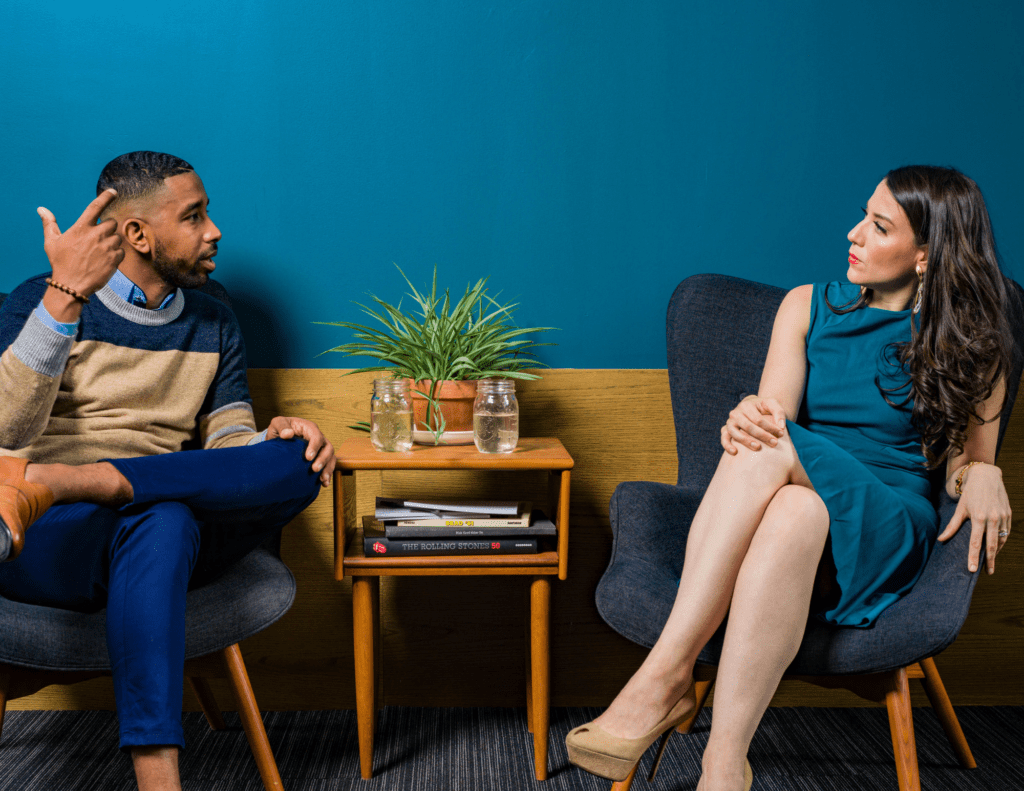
{"points": [[356, 563]]}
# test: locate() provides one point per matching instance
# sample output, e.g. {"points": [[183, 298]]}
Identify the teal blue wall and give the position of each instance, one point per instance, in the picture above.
{"points": [[586, 155]]}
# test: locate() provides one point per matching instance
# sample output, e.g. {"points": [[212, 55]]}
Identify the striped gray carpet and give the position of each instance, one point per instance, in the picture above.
{"points": [[489, 750]]}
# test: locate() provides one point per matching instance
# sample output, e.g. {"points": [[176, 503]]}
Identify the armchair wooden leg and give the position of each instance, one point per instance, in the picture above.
{"points": [[901, 725], [702, 692], [207, 702], [936, 692], [5, 689], [252, 722], [623, 785]]}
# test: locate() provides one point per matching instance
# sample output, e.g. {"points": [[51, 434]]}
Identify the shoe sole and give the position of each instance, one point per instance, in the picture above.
{"points": [[607, 766]]}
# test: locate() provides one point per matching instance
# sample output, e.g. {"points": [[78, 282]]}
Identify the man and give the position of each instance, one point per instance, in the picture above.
{"points": [[109, 369]]}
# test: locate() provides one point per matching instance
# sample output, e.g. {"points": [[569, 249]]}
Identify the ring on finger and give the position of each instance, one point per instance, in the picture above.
{"points": [[1004, 533]]}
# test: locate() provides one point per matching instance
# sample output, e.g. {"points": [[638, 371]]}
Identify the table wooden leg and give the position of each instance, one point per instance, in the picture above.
{"points": [[528, 622], [540, 609], [365, 600], [378, 647]]}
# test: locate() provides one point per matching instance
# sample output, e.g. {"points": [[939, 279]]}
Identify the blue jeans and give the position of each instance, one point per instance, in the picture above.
{"points": [[193, 514]]}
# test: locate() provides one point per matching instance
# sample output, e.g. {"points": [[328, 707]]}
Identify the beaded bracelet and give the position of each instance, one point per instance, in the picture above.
{"points": [[960, 475], [67, 290]]}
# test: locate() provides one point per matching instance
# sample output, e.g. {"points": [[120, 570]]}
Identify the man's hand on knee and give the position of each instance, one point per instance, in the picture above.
{"points": [[318, 449]]}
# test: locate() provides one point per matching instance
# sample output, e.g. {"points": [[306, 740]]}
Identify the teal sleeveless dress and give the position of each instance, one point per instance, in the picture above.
{"points": [[863, 456]]}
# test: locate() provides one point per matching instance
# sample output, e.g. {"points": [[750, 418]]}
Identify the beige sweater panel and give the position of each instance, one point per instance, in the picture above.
{"points": [[117, 402]]}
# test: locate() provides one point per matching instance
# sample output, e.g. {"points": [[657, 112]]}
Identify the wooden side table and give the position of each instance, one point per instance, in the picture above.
{"points": [[349, 560]]}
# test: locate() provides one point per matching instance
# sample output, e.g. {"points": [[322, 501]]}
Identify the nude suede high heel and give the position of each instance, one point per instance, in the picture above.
{"points": [[612, 757], [21, 503]]}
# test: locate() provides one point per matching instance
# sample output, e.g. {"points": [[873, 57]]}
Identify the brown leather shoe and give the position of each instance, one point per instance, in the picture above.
{"points": [[21, 503]]}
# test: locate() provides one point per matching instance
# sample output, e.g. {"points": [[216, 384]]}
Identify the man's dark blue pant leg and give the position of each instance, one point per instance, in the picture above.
{"points": [[193, 515], [86, 557]]}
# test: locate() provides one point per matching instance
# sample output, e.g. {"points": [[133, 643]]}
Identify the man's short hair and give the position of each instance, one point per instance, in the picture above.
{"points": [[139, 173]]}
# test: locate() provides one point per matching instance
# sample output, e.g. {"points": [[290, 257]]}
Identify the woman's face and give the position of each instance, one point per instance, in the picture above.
{"points": [[883, 254]]}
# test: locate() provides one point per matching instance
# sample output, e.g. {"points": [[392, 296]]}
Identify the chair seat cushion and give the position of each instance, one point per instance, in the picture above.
{"points": [[250, 596]]}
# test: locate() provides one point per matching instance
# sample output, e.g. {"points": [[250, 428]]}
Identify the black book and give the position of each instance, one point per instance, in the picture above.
{"points": [[540, 526], [375, 543]]}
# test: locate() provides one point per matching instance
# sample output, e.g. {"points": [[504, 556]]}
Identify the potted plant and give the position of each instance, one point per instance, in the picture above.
{"points": [[443, 347]]}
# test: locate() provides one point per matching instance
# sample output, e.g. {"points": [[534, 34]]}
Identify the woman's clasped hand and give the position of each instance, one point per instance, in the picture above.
{"points": [[754, 421]]}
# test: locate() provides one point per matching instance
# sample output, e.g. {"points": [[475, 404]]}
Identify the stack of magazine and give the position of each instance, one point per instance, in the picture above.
{"points": [[469, 527]]}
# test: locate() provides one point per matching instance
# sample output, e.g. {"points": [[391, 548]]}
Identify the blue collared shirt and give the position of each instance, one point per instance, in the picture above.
{"points": [[121, 285]]}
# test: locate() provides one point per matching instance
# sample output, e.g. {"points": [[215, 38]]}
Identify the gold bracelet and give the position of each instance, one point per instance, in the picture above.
{"points": [[960, 476], [67, 290]]}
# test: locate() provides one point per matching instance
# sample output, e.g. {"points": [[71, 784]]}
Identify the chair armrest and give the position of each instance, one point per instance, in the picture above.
{"points": [[650, 522]]}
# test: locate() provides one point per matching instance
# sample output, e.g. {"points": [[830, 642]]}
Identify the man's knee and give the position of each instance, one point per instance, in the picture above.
{"points": [[297, 479]]}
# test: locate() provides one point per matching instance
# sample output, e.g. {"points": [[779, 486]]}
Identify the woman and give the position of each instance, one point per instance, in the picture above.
{"points": [[902, 370]]}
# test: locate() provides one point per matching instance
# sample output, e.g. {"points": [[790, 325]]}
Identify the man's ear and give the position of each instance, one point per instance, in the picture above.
{"points": [[136, 233]]}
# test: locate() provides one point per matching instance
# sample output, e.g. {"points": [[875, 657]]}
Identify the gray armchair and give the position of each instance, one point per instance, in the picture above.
{"points": [[40, 646], [709, 372]]}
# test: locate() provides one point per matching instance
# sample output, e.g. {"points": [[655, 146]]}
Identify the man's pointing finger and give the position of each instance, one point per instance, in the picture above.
{"points": [[95, 209]]}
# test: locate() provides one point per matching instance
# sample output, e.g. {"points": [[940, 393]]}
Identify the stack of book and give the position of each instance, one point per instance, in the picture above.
{"points": [[470, 527]]}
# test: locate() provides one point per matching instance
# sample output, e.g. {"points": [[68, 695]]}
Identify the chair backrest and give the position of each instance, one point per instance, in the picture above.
{"points": [[717, 330]]}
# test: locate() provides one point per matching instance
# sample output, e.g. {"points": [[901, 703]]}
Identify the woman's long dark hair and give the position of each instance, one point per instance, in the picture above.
{"points": [[964, 344]]}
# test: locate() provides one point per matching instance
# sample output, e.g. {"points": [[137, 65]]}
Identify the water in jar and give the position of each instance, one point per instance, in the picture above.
{"points": [[391, 431], [496, 432], [391, 415]]}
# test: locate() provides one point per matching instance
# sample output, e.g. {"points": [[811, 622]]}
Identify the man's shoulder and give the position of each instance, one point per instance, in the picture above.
{"points": [[207, 309], [34, 285], [26, 295]]}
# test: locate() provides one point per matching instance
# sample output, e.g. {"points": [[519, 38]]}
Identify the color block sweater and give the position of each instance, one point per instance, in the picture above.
{"points": [[134, 382]]}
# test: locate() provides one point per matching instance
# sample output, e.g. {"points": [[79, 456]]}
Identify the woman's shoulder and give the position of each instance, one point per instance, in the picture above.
{"points": [[796, 309]]}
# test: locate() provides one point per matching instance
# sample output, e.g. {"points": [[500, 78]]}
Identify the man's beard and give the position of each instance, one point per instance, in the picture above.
{"points": [[178, 272]]}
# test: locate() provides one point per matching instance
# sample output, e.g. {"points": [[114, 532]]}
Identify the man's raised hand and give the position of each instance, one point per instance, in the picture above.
{"points": [[86, 255]]}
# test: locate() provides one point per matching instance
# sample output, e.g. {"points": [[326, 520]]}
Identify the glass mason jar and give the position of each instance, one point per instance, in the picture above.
{"points": [[496, 416], [391, 415]]}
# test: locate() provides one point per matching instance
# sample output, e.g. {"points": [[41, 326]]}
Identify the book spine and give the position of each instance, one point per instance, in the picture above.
{"points": [[381, 547], [422, 531], [497, 522]]}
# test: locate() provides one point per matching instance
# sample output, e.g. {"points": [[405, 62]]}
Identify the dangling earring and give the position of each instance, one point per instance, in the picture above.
{"points": [[920, 292]]}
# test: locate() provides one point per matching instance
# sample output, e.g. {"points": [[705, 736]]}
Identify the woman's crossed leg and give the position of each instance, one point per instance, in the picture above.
{"points": [[753, 551]]}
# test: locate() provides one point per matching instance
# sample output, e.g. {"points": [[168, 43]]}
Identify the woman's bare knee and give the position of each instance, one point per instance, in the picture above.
{"points": [[796, 513]]}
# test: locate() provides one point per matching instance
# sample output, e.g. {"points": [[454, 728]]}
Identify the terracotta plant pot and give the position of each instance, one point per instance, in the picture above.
{"points": [[456, 405]]}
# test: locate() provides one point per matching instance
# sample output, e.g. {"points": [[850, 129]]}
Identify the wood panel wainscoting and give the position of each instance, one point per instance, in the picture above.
{"points": [[459, 641]]}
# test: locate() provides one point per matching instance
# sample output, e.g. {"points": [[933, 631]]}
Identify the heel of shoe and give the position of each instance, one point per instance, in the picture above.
{"points": [[6, 543], [657, 757]]}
